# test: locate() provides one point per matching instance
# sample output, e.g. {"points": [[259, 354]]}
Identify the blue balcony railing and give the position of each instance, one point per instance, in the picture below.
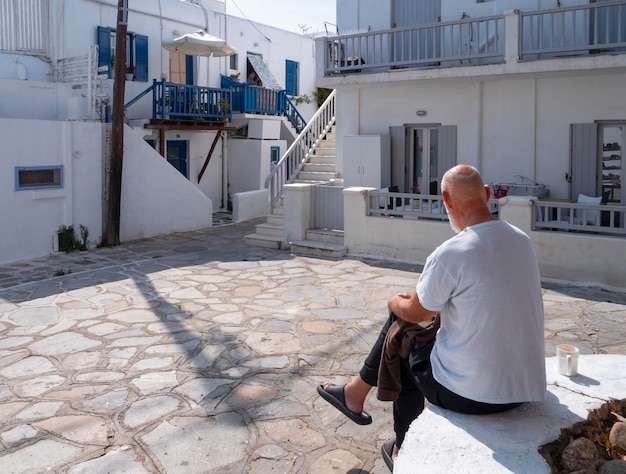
{"points": [[181, 101]]}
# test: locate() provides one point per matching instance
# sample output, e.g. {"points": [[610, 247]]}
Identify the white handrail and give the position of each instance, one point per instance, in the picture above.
{"points": [[294, 159]]}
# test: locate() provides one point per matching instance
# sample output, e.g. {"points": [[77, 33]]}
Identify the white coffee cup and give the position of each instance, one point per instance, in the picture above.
{"points": [[568, 359]]}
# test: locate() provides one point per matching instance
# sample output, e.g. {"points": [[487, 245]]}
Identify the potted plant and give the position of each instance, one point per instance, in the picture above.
{"points": [[224, 107], [130, 72]]}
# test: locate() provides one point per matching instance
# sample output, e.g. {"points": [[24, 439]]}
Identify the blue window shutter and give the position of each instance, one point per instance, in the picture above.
{"points": [[189, 68], [104, 48], [291, 77], [141, 64]]}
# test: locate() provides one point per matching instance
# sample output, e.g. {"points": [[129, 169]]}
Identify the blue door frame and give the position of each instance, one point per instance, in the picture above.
{"points": [[177, 155]]}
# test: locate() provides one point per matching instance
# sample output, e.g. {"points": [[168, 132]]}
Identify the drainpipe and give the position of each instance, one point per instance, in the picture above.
{"points": [[224, 170], [478, 120]]}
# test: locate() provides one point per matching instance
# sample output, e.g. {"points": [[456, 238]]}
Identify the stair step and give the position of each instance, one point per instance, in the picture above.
{"points": [[276, 219], [319, 167], [323, 160], [317, 175], [265, 241], [270, 230], [319, 249], [310, 181], [325, 235]]}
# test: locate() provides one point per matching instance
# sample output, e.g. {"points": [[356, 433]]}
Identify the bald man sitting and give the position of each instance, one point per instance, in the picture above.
{"points": [[488, 354]]}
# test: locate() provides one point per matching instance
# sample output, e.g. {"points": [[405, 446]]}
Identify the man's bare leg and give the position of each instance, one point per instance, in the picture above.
{"points": [[355, 393]]}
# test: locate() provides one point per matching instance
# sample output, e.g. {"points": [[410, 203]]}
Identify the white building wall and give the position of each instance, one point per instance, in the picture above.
{"points": [[157, 199], [31, 217], [154, 193], [507, 128], [250, 162]]}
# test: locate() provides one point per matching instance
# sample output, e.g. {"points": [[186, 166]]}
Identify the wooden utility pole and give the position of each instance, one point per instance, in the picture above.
{"points": [[113, 172]]}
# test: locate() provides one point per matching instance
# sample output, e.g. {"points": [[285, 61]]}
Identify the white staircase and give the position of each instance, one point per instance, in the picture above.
{"points": [[318, 170]]}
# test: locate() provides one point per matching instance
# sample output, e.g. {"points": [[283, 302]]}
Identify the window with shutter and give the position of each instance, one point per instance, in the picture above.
{"points": [[291, 77]]}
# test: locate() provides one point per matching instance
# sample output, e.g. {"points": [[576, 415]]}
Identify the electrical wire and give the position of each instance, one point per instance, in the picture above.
{"points": [[250, 21]]}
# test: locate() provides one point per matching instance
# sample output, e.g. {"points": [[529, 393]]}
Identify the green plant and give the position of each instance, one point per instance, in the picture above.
{"points": [[321, 95], [300, 99], [59, 273], [68, 240], [224, 105]]}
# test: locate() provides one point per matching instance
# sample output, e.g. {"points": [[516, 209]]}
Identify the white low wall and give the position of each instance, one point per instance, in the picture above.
{"points": [[156, 198], [250, 204], [30, 218], [566, 256]]}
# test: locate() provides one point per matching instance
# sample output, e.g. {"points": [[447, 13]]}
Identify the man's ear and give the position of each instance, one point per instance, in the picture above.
{"points": [[488, 191], [446, 199]]}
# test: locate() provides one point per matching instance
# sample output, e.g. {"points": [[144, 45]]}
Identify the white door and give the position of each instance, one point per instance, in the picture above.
{"points": [[431, 151]]}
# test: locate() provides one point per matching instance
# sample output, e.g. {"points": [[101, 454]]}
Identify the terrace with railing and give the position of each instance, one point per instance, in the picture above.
{"points": [[171, 101], [592, 29], [547, 215]]}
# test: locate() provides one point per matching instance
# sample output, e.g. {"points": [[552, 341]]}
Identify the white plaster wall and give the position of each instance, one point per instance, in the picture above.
{"points": [[562, 255], [508, 130], [359, 15], [157, 199], [506, 127], [199, 145], [275, 46], [30, 99], [72, 30], [31, 217], [250, 204], [249, 163]]}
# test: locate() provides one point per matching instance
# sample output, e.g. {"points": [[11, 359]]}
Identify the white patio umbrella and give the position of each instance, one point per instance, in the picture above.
{"points": [[199, 43]]}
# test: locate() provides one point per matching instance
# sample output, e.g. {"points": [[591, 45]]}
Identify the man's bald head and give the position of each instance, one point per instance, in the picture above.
{"points": [[465, 197], [463, 180]]}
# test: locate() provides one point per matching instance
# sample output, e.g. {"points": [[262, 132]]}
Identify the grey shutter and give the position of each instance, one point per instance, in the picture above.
{"points": [[583, 159], [397, 137], [447, 150]]}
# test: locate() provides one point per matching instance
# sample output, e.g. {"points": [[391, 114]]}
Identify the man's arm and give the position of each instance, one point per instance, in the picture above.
{"points": [[408, 307]]}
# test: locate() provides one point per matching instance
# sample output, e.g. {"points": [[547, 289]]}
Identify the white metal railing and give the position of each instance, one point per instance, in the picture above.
{"points": [[24, 26], [478, 40], [592, 28], [564, 216], [406, 205], [294, 159]]}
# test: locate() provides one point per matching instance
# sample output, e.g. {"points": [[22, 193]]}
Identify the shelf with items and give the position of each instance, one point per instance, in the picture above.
{"points": [[611, 147]]}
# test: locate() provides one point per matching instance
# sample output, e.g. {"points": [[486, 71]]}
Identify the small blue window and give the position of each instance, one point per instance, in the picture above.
{"points": [[38, 177], [274, 154]]}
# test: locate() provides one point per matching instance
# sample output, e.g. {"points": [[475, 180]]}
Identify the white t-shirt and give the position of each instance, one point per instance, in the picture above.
{"points": [[485, 283]]}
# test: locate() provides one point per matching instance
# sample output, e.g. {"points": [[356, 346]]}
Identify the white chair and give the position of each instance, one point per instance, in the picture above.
{"points": [[591, 215]]}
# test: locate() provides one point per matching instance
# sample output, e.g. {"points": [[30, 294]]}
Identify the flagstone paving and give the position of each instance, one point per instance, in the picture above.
{"points": [[191, 353]]}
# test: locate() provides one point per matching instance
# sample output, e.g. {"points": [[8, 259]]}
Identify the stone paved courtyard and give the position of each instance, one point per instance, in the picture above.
{"points": [[191, 353]]}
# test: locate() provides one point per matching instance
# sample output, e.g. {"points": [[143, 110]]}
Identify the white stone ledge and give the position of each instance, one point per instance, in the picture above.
{"points": [[442, 441]]}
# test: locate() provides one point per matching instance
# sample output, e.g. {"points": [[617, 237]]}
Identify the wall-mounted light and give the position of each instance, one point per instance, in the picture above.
{"points": [[256, 45], [176, 33], [421, 113]]}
